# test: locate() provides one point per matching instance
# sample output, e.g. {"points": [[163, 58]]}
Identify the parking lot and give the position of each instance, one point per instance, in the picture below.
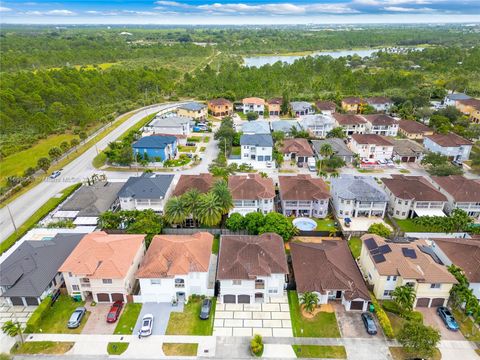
{"points": [[430, 317], [161, 315], [351, 325]]}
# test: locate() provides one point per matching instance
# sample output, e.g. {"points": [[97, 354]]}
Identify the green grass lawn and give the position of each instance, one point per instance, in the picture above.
{"points": [[179, 349], [116, 348], [396, 321], [128, 319], [325, 224], [398, 353], [216, 244], [203, 148], [355, 245], [187, 148], [188, 321], [236, 150], [408, 225], [36, 217], [206, 139], [194, 139], [322, 325], [467, 327], [320, 351], [56, 318], [42, 347]]}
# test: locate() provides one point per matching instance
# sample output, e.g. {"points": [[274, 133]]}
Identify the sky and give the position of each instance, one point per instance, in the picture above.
{"points": [[233, 12]]}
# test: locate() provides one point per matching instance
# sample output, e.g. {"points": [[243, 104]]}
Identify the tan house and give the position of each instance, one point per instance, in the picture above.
{"points": [[220, 107], [468, 106], [413, 130], [194, 110], [352, 104], [387, 265], [352, 124], [102, 266], [274, 106]]}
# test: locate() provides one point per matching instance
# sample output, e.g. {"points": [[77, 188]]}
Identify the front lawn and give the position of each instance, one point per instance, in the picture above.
{"points": [[408, 225], [42, 347], [116, 348], [398, 353], [194, 139], [320, 351], [467, 327], [128, 319], [355, 245], [190, 149], [179, 349], [322, 325], [188, 321], [325, 224], [396, 321]]}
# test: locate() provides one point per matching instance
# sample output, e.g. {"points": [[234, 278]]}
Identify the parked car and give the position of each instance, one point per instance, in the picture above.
{"points": [[55, 174], [205, 310], [447, 318], [369, 323], [190, 144], [114, 312], [76, 317], [147, 326], [457, 163]]}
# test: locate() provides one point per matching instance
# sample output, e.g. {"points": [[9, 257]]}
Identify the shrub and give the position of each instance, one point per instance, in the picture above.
{"points": [[414, 316], [383, 319], [390, 306], [38, 315], [256, 345]]}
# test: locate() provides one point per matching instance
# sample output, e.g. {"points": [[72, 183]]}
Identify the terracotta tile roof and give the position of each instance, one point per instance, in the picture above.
{"points": [[246, 257], [459, 187], [301, 147], [326, 105], [379, 100], [327, 266], [413, 188], [349, 119], [352, 100], [423, 268], [302, 187], [413, 127], [170, 255], [251, 187], [475, 103], [220, 101], [201, 182], [253, 100], [380, 119], [448, 140], [371, 139], [464, 253], [103, 256], [275, 101]]}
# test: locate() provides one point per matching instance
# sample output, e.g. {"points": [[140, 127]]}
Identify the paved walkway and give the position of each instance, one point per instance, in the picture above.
{"points": [[15, 313]]}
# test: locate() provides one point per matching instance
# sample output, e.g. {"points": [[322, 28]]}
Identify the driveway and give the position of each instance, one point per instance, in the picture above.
{"points": [[430, 317], [161, 315], [97, 321], [351, 325]]}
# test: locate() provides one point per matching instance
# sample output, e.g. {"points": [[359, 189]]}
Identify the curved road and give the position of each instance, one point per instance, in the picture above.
{"points": [[79, 169]]}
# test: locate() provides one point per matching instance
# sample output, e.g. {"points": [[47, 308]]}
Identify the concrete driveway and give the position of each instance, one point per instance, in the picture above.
{"points": [[430, 317], [161, 314], [97, 321], [351, 325]]}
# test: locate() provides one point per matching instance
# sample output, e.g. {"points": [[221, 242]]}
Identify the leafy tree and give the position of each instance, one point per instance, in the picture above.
{"points": [[333, 163], [404, 297], [434, 159], [440, 124], [82, 135], [418, 339], [235, 222], [43, 163], [337, 132], [253, 222], [252, 115], [54, 153], [13, 329], [309, 300], [29, 172], [209, 209], [109, 220], [445, 170], [147, 222], [278, 136], [74, 142], [279, 224], [176, 210], [64, 146], [379, 229]]}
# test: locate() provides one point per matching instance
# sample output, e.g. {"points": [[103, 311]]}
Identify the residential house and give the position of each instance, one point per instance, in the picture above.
{"points": [[329, 270], [371, 147], [352, 104], [300, 108], [387, 265], [102, 266], [194, 110], [257, 150], [380, 103], [285, 126], [147, 191], [251, 269], [451, 145], [274, 106], [326, 107], [318, 125], [87, 203], [352, 124], [30, 273], [406, 150], [220, 107], [451, 99], [201, 182], [462, 193], [468, 106], [475, 117], [176, 267], [302, 195], [413, 130], [298, 150], [169, 125], [155, 148], [381, 124], [358, 196], [251, 193], [412, 196], [255, 127], [253, 104], [339, 148]]}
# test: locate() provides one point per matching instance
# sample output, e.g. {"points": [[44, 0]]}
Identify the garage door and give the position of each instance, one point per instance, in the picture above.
{"points": [[229, 299], [244, 299], [32, 301], [102, 297], [356, 305], [437, 302], [117, 297], [423, 302], [16, 301], [404, 158]]}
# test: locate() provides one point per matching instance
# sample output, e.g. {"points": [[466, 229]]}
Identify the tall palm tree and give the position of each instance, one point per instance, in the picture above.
{"points": [[225, 200], [309, 301], [13, 329], [404, 297], [191, 199], [209, 209], [326, 151], [176, 210]]}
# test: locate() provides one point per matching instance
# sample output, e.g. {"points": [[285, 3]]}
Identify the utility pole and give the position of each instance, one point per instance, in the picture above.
{"points": [[11, 218]]}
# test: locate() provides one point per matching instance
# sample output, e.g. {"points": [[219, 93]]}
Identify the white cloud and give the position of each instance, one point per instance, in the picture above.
{"points": [[407, 9], [4, 9], [49, 12], [173, 3], [277, 8]]}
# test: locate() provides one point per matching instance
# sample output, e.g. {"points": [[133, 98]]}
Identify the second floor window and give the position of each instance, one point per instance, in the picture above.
{"points": [[435, 286], [107, 281], [75, 287]]}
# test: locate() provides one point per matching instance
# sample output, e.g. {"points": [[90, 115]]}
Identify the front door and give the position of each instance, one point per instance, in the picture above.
{"points": [[338, 295]]}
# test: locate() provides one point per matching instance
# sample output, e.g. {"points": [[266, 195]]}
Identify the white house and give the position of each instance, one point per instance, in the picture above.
{"points": [[256, 150], [251, 269], [176, 267], [380, 103], [251, 193], [318, 125], [351, 123], [370, 147], [451, 145], [381, 124], [253, 104], [451, 99], [169, 125]]}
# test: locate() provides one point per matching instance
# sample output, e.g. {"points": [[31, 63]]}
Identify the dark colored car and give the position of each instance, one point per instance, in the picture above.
{"points": [[114, 312], [369, 323], [205, 310], [447, 318], [76, 317]]}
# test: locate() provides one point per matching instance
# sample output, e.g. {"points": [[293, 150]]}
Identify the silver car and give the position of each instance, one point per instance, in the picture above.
{"points": [[76, 317], [147, 326]]}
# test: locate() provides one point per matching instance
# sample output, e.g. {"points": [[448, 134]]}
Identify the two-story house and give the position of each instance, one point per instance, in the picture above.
{"points": [[169, 125], [302, 195], [155, 148], [102, 267], [251, 269], [451, 99], [147, 191], [413, 130], [381, 124], [251, 193], [469, 106], [253, 104], [220, 107], [351, 123], [255, 127], [380, 103], [257, 150], [326, 107], [358, 196], [412, 196], [194, 110], [275, 106], [300, 108], [318, 125], [352, 104], [371, 147], [297, 150], [387, 265], [451, 145], [285, 126], [176, 267]]}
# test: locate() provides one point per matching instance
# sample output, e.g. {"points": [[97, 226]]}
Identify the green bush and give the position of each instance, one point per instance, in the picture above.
{"points": [[38, 315], [383, 319], [256, 345], [415, 316], [390, 306]]}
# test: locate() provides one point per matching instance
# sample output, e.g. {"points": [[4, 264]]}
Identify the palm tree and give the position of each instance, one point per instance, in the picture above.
{"points": [[225, 200], [209, 209], [404, 297], [326, 151], [176, 210], [191, 199], [309, 300], [13, 329]]}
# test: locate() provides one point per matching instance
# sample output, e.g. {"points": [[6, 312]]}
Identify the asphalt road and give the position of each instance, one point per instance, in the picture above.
{"points": [[78, 170]]}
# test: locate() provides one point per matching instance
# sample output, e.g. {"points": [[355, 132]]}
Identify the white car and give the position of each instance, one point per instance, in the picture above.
{"points": [[55, 174], [147, 326]]}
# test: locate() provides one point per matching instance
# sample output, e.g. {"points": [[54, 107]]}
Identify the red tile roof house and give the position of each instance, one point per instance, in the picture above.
{"points": [[298, 150], [352, 124], [452, 145], [251, 269], [102, 266], [302, 195], [251, 193], [326, 107], [176, 267], [413, 129], [329, 270], [220, 107]]}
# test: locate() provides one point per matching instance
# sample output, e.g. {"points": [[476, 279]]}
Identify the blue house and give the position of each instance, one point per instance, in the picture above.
{"points": [[163, 147]]}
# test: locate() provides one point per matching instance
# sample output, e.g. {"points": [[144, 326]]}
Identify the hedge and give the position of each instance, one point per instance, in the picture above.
{"points": [[392, 307], [382, 318], [38, 315]]}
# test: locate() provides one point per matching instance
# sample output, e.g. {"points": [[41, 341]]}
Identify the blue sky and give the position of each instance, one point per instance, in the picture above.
{"points": [[239, 11]]}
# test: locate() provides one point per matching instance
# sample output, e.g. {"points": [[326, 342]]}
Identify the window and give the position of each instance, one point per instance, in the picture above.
{"points": [[272, 291], [155, 282], [397, 212], [387, 293], [107, 281], [435, 286], [403, 213], [266, 201], [75, 288], [237, 282], [69, 274]]}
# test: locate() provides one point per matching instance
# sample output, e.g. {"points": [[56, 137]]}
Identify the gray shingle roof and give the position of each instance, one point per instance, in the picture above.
{"points": [[285, 125], [192, 106], [33, 265], [146, 186], [458, 96], [360, 188], [256, 127], [263, 140], [171, 121], [300, 105]]}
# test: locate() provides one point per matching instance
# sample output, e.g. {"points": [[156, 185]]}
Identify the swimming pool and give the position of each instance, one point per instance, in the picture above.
{"points": [[305, 224]]}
